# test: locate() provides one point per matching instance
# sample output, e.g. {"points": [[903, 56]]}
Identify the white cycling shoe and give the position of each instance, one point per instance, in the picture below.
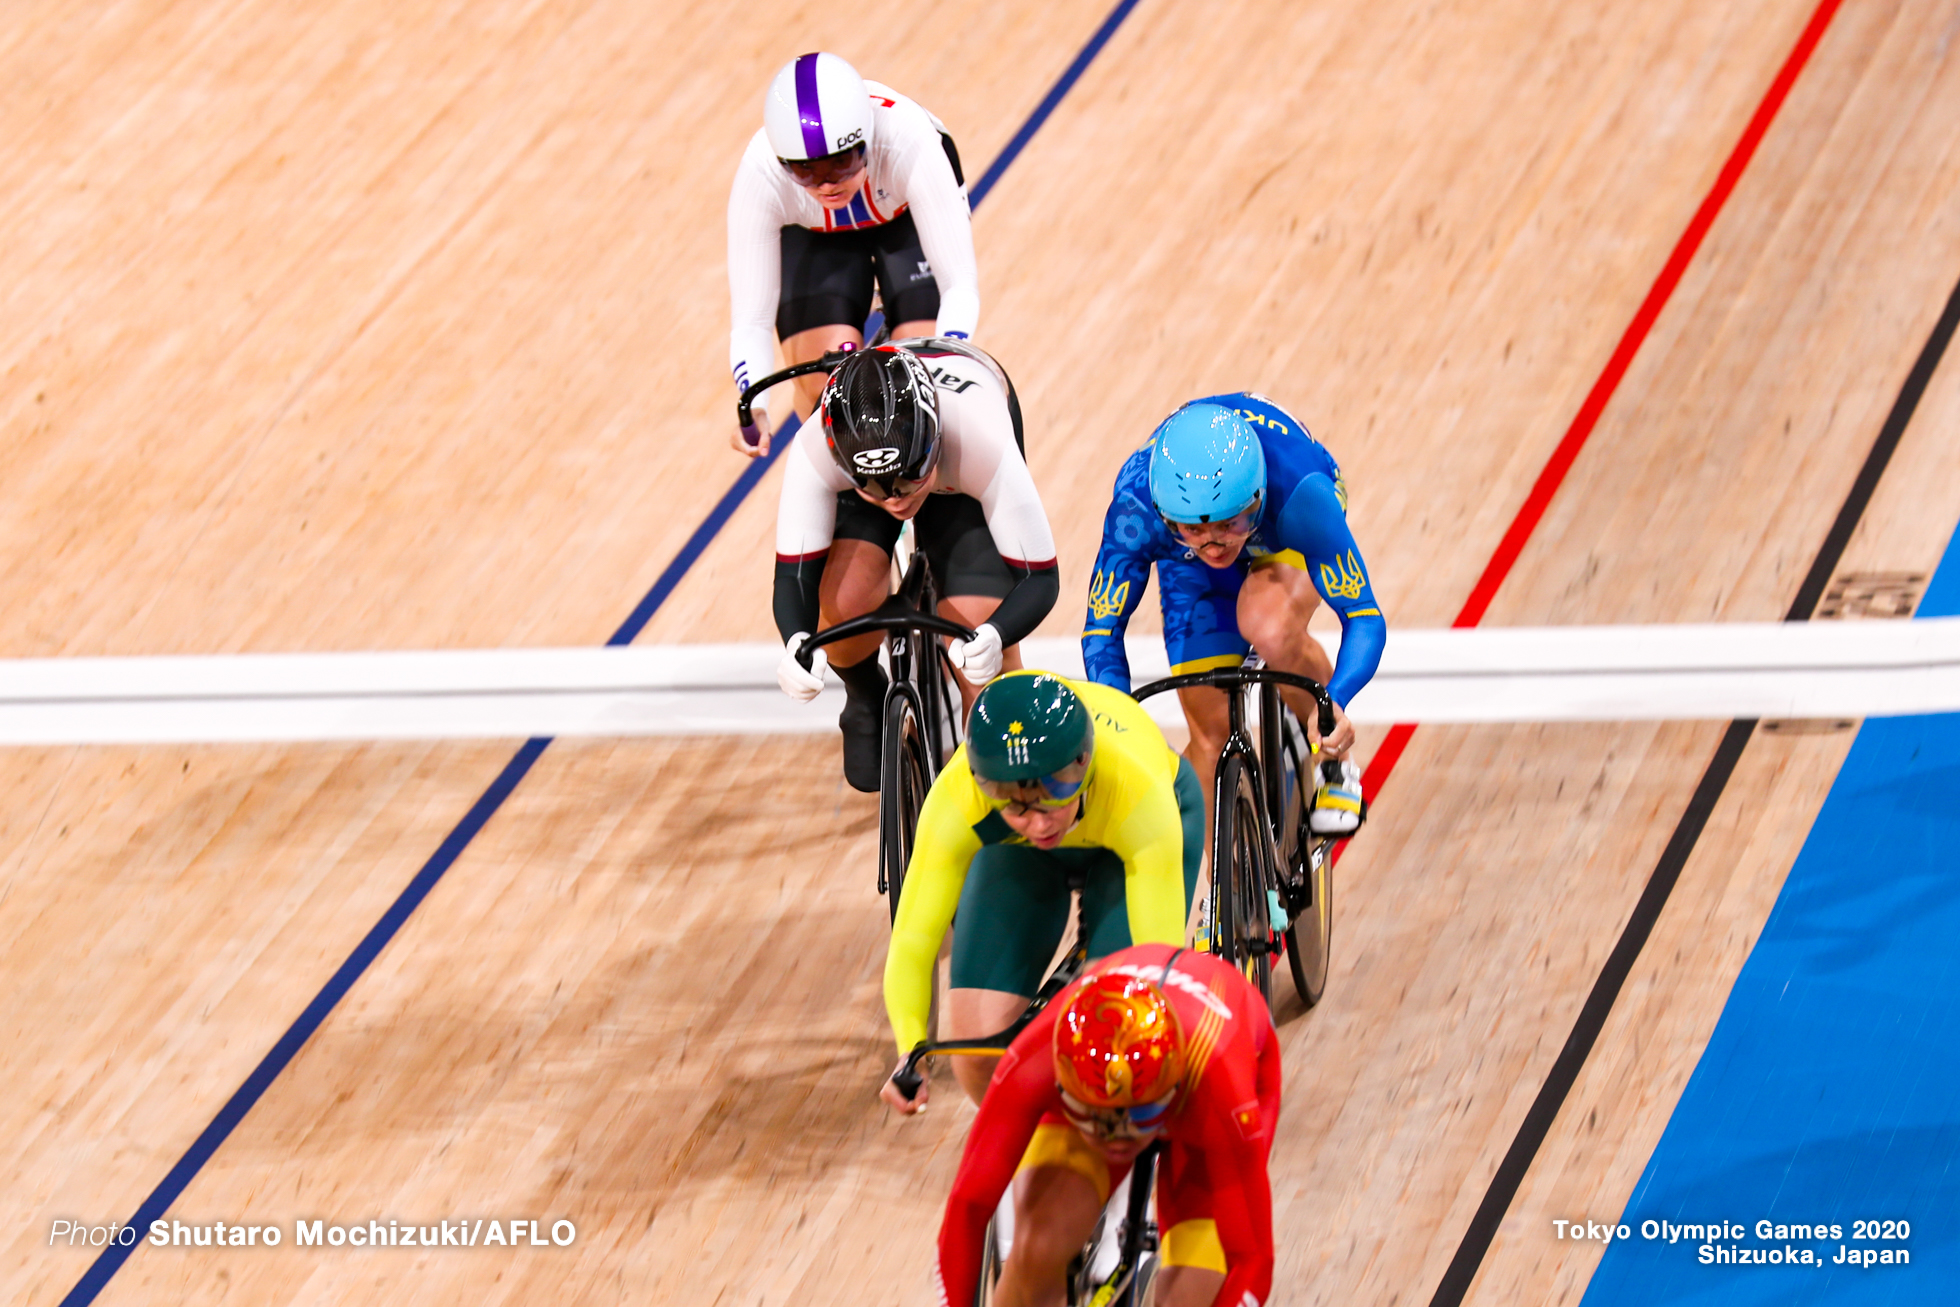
{"points": [[1338, 808]]}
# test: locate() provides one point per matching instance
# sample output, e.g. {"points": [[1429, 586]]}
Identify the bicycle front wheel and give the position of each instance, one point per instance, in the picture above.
{"points": [[903, 782], [1242, 879]]}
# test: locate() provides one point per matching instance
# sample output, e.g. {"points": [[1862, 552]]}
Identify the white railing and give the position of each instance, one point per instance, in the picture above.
{"points": [[1489, 674]]}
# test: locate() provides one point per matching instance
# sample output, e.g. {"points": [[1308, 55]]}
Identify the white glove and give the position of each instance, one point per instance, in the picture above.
{"points": [[797, 683], [979, 658]]}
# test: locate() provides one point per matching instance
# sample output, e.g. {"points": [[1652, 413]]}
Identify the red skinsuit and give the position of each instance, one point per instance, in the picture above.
{"points": [[1219, 1135]]}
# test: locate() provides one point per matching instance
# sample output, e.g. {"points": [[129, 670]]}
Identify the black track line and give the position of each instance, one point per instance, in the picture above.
{"points": [[1619, 964]]}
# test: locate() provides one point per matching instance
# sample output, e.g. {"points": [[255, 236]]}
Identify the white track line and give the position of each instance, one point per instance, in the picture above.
{"points": [[1489, 674]]}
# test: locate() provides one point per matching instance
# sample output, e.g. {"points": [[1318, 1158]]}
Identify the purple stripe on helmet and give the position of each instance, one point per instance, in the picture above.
{"points": [[808, 111]]}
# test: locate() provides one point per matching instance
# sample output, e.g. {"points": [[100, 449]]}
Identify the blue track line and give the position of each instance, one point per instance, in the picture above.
{"points": [[111, 1260], [1063, 85]]}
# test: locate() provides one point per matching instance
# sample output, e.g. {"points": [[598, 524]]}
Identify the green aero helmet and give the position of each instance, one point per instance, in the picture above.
{"points": [[1029, 739]]}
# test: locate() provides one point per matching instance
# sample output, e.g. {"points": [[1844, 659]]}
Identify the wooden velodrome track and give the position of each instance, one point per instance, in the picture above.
{"points": [[357, 325]]}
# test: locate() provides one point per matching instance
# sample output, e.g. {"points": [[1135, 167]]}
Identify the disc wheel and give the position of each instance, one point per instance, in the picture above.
{"points": [[903, 782], [1241, 924]]}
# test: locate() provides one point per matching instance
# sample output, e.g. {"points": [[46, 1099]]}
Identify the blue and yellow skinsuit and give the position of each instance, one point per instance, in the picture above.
{"points": [[1302, 523]]}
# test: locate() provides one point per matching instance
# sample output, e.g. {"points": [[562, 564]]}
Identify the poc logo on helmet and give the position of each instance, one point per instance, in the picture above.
{"points": [[847, 141], [873, 461]]}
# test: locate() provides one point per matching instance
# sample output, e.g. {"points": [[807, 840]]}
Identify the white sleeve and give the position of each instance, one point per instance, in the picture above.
{"points": [[1015, 517], [945, 225], [755, 269], [806, 515]]}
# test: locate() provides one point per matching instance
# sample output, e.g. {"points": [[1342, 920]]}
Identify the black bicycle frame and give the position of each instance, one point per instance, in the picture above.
{"points": [[1267, 761], [917, 658]]}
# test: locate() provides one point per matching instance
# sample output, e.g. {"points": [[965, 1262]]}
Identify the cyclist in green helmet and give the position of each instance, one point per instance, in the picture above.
{"points": [[1056, 775]]}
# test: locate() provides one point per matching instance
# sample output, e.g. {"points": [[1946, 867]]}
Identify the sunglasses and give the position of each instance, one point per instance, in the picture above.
{"points": [[896, 488], [1056, 790], [1197, 533], [828, 170], [1113, 1123]]}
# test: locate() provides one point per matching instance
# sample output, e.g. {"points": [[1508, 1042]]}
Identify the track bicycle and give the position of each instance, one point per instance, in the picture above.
{"points": [[920, 717], [1126, 1283], [1271, 877], [921, 714]]}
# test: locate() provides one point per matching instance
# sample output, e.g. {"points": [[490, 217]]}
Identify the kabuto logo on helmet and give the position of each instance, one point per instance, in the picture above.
{"points": [[871, 462]]}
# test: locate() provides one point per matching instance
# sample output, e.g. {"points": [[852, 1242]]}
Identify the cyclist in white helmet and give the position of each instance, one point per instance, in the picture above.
{"points": [[849, 185]]}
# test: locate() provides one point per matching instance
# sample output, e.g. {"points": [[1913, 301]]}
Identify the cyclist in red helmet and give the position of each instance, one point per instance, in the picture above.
{"points": [[1154, 1042]]}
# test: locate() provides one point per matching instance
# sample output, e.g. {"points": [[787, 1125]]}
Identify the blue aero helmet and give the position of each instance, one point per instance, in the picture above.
{"points": [[1206, 465]]}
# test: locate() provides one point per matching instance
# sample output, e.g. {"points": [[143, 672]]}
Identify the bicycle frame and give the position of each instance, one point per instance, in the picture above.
{"points": [[1288, 861], [1238, 743], [919, 672], [911, 633]]}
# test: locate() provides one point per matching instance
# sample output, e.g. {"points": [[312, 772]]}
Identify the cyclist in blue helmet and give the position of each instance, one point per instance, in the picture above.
{"points": [[1244, 515]]}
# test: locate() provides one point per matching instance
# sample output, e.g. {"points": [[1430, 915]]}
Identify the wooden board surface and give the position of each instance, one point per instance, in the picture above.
{"points": [[370, 328]]}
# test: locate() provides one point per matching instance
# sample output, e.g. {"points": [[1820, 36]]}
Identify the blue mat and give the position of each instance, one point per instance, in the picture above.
{"points": [[1829, 1093]]}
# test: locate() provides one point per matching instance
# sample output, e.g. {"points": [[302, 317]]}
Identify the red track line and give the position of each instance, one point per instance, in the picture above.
{"points": [[1553, 475]]}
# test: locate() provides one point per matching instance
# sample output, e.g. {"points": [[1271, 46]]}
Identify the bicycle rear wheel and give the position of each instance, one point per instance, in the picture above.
{"points": [[1241, 874], [1307, 870], [903, 781], [1310, 933]]}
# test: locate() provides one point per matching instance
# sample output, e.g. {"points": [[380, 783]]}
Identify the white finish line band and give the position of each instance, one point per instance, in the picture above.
{"points": [[1487, 674]]}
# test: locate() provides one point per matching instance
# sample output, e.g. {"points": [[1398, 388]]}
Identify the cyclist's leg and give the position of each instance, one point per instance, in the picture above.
{"points": [[952, 530], [1192, 1262], [906, 285], [856, 579], [1105, 905], [857, 573], [1275, 604], [1012, 913], [826, 295], [1060, 1190], [1201, 631], [1191, 808], [1105, 894]]}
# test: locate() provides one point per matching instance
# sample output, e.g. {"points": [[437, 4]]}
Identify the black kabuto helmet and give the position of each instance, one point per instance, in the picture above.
{"points": [[881, 421]]}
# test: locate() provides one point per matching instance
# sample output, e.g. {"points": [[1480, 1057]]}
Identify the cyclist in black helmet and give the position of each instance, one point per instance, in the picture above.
{"points": [[927, 431]]}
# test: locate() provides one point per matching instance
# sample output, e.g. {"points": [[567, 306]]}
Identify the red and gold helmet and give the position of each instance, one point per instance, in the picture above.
{"points": [[1118, 1044]]}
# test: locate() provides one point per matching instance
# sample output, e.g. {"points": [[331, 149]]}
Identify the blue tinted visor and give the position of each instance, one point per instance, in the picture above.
{"points": [[1050, 791], [1134, 1122]]}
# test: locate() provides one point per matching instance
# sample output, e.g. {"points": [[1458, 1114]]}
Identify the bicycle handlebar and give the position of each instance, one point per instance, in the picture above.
{"points": [[908, 1077], [1233, 677], [905, 620], [744, 411]]}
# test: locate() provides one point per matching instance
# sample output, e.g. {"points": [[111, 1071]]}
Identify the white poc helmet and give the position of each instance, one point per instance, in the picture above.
{"points": [[817, 105]]}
